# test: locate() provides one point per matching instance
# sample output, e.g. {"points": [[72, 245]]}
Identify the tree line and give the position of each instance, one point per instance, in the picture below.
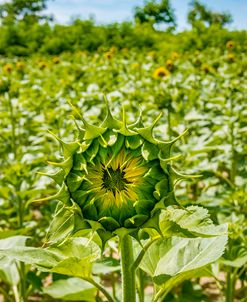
{"points": [[26, 29]]}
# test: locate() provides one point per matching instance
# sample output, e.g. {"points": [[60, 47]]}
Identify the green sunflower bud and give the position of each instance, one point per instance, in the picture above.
{"points": [[119, 175]]}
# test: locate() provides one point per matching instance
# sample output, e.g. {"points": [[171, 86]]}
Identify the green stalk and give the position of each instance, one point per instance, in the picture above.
{"points": [[233, 151], [22, 284], [16, 294], [138, 259], [113, 284], [230, 285], [160, 295], [140, 286], [22, 269], [169, 122], [113, 280], [13, 129], [100, 288], [128, 274]]}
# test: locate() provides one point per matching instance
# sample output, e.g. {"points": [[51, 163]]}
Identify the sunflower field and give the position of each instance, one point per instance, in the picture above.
{"points": [[123, 175]]}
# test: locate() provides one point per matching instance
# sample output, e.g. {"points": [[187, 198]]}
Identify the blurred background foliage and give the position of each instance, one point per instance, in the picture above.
{"points": [[25, 30]]}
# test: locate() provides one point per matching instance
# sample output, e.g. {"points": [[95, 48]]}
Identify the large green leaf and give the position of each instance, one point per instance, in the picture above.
{"points": [[8, 267], [106, 266], [172, 256], [78, 247], [31, 255], [73, 258], [193, 221], [73, 289], [173, 281], [74, 267], [13, 241]]}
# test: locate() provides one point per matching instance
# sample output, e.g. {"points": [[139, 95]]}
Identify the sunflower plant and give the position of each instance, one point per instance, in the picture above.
{"points": [[117, 185]]}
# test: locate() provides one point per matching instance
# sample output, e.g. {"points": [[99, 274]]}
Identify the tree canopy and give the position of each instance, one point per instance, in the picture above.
{"points": [[199, 13], [27, 10], [156, 12]]}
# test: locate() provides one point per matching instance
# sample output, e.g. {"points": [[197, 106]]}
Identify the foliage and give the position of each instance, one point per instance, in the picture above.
{"points": [[200, 14], [156, 12], [86, 36], [27, 11]]}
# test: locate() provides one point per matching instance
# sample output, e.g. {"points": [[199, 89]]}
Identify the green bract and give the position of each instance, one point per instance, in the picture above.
{"points": [[119, 175]]}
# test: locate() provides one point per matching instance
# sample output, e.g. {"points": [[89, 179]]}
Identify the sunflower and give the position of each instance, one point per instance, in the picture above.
{"points": [[20, 65], [117, 174], [108, 55], [169, 64], [229, 44], [7, 68], [116, 181], [56, 60], [231, 57], [161, 72], [113, 187], [175, 55], [42, 65]]}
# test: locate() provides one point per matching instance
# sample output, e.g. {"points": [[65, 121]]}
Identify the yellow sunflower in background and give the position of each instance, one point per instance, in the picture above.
{"points": [[231, 57], [229, 44], [56, 60], [161, 72], [169, 64], [108, 55], [20, 65], [7, 68], [42, 65], [175, 55]]}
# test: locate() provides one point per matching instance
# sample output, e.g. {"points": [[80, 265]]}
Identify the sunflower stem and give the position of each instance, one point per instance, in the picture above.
{"points": [[100, 288], [128, 274]]}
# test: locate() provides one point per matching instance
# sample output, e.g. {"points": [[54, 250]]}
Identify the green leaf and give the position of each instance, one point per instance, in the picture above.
{"points": [[74, 257], [78, 247], [74, 267], [73, 289], [9, 271], [8, 267], [190, 222], [106, 266], [74, 180], [238, 262], [31, 255], [171, 282], [61, 225], [173, 256], [13, 241], [149, 151]]}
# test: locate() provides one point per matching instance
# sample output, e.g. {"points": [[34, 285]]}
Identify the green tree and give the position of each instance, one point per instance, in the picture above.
{"points": [[156, 12], [22, 10], [200, 14]]}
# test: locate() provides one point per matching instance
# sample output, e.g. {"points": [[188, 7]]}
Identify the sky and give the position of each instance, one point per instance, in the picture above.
{"points": [[107, 11]]}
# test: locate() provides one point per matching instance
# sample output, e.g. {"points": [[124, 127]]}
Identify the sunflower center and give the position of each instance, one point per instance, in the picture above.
{"points": [[114, 180]]}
